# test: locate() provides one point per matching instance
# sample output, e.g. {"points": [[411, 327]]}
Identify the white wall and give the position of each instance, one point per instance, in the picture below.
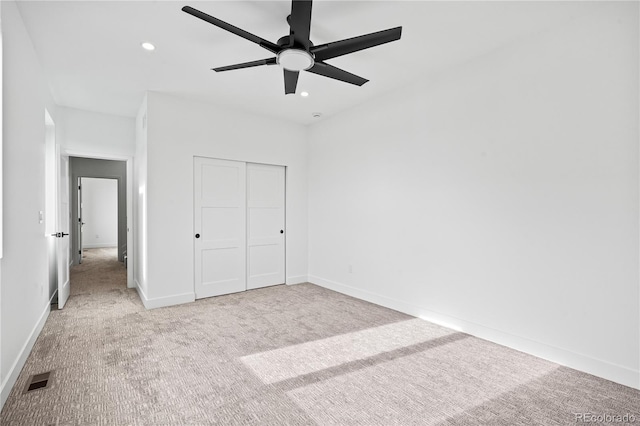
{"points": [[23, 282], [501, 199], [99, 212], [178, 130], [95, 133]]}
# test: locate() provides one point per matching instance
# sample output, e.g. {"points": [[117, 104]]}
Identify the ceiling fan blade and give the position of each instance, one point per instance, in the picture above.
{"points": [[300, 22], [270, 61], [235, 30], [350, 45], [330, 71], [290, 81]]}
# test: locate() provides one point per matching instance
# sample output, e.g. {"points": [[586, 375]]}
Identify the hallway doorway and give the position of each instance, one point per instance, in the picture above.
{"points": [[101, 210], [97, 215], [82, 168]]}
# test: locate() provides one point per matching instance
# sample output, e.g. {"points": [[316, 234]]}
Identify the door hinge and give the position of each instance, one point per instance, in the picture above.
{"points": [[79, 251]]}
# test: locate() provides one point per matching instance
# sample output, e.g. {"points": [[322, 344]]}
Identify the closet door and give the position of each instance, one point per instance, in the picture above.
{"points": [[220, 226], [265, 225]]}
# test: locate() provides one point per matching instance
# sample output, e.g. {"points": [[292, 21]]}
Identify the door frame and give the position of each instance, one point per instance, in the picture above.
{"points": [[54, 217], [79, 224], [131, 249], [193, 206]]}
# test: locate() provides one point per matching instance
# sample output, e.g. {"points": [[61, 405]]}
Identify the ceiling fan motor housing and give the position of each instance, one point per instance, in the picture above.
{"points": [[285, 41]]}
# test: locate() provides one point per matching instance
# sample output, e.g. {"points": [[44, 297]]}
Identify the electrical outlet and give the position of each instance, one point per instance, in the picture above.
{"points": [[97, 236], [351, 269]]}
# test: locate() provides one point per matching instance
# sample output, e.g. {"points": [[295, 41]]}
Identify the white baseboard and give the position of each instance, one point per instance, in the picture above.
{"points": [[577, 361], [140, 291], [100, 245], [161, 302], [299, 279], [16, 368], [53, 296]]}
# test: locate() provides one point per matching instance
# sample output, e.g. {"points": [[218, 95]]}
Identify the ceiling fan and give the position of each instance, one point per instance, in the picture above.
{"points": [[295, 52]]}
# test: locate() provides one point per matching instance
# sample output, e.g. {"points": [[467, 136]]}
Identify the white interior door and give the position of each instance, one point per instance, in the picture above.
{"points": [[62, 220], [80, 222], [265, 225], [220, 226]]}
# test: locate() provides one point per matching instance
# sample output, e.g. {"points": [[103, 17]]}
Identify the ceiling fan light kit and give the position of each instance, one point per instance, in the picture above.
{"points": [[295, 52], [295, 60]]}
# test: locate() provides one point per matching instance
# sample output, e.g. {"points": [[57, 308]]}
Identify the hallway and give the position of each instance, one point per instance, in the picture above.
{"points": [[96, 279]]}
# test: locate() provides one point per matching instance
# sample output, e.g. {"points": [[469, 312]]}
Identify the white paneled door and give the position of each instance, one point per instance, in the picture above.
{"points": [[239, 226], [62, 222], [265, 225], [220, 226]]}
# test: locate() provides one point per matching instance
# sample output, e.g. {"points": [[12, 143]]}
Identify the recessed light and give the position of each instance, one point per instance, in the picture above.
{"points": [[148, 46], [304, 94], [316, 114]]}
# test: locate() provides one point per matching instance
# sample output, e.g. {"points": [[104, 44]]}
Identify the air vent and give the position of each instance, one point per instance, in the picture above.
{"points": [[38, 381]]}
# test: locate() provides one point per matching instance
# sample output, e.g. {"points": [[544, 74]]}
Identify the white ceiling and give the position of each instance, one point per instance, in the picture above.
{"points": [[91, 52]]}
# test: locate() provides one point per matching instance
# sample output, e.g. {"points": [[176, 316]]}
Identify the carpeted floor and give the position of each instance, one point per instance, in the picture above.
{"points": [[282, 355]]}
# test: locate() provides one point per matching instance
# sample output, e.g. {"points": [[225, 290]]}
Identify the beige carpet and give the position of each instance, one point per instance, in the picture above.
{"points": [[283, 355]]}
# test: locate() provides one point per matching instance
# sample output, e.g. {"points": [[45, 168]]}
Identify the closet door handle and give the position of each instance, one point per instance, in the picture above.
{"points": [[282, 231], [197, 235]]}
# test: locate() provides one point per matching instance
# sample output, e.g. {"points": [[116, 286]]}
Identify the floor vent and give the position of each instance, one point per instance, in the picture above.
{"points": [[38, 381]]}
